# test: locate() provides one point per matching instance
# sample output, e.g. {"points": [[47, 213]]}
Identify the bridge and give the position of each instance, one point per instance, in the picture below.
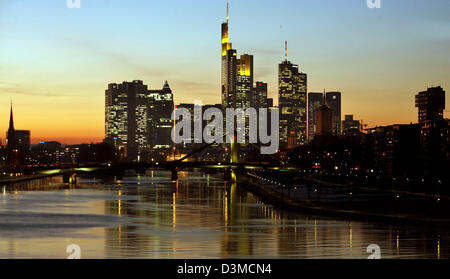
{"points": [[70, 172]]}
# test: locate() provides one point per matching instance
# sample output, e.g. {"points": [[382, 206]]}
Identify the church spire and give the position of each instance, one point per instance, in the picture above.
{"points": [[11, 120]]}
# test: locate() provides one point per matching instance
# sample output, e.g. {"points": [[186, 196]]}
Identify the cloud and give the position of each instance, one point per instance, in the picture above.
{"points": [[265, 73], [268, 52], [120, 59], [13, 88], [187, 91], [190, 85]]}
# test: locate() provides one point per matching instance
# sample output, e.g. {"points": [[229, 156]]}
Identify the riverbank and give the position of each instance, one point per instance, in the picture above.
{"points": [[423, 210], [366, 188], [11, 180]]}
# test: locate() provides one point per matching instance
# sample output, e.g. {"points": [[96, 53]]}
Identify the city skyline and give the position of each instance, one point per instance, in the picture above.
{"points": [[388, 73]]}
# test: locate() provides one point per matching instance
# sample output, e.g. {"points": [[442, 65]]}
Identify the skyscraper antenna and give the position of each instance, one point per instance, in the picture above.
{"points": [[228, 11], [285, 50]]}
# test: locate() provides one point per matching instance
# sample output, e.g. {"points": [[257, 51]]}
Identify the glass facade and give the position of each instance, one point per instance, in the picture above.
{"points": [[137, 118]]}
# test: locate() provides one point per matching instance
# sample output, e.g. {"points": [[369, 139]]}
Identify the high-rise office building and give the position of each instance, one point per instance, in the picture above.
{"points": [[160, 109], [137, 118], [334, 102], [196, 118], [314, 103], [431, 104], [244, 82], [259, 96], [324, 120], [229, 66], [190, 107], [126, 111], [229, 75], [350, 126], [236, 73], [292, 87]]}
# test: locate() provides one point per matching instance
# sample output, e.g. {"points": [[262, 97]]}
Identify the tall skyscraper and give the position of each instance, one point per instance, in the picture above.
{"points": [[244, 82], [292, 87], [431, 104], [191, 108], [229, 66], [229, 74], [159, 117], [314, 102], [137, 118], [324, 118], [334, 102], [236, 74], [126, 110]]}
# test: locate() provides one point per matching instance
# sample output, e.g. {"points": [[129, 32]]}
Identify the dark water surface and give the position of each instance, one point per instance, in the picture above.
{"points": [[199, 216]]}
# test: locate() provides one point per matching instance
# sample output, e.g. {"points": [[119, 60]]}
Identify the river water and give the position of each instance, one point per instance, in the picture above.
{"points": [[199, 216]]}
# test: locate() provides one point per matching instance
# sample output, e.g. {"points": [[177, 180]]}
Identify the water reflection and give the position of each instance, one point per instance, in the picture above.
{"points": [[198, 216]]}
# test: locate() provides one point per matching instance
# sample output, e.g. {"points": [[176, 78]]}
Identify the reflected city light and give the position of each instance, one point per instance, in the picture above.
{"points": [[439, 247], [174, 210]]}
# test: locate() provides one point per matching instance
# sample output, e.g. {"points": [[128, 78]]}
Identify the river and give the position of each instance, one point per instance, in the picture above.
{"points": [[198, 216]]}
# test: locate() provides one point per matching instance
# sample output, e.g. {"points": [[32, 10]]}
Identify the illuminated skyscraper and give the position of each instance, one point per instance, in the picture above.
{"points": [[229, 74], [237, 73], [136, 118], [126, 110], [292, 87], [160, 109], [229, 66], [244, 82]]}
